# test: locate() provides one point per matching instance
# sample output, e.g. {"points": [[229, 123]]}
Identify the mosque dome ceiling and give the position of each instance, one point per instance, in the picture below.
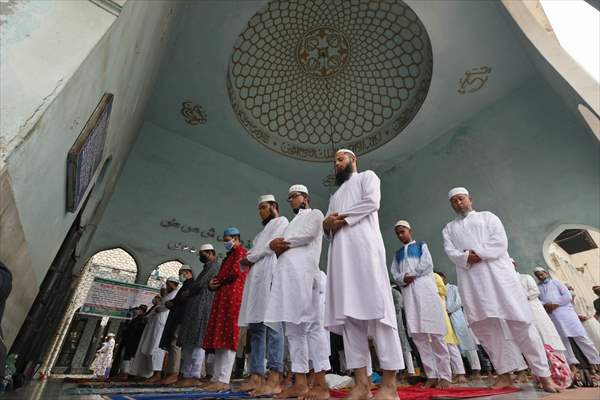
{"points": [[306, 78], [280, 84]]}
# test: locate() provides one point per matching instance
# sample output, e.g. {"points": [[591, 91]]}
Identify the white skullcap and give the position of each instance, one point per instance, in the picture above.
{"points": [[346, 151], [206, 246], [111, 334], [185, 267], [298, 188], [457, 190], [539, 269], [174, 279], [266, 197], [402, 223]]}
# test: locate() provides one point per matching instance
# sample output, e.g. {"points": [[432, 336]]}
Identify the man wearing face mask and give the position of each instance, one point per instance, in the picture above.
{"points": [[222, 332], [295, 297], [198, 303], [170, 334], [557, 301], [261, 260]]}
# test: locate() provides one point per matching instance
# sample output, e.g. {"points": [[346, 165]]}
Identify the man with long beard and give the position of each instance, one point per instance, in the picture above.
{"points": [[359, 299], [494, 302], [261, 260]]}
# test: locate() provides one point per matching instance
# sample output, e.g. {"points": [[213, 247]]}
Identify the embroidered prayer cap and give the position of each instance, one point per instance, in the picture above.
{"points": [[184, 267], [266, 197], [206, 246], [346, 151], [457, 190], [298, 189], [174, 279], [402, 223], [231, 231]]}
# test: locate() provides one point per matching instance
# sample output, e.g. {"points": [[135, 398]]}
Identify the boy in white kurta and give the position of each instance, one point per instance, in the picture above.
{"points": [[412, 270], [359, 299], [477, 245], [294, 298], [262, 260]]}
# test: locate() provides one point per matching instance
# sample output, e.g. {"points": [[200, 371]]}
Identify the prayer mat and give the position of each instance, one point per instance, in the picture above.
{"points": [[181, 396], [127, 390], [421, 393]]}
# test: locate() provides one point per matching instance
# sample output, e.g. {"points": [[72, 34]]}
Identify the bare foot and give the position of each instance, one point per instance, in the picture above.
{"points": [[189, 382], [548, 385], [431, 383], [154, 378], [360, 392], [169, 379], [294, 391], [266, 389], [387, 392], [476, 376], [522, 377], [443, 384], [216, 387], [316, 393], [460, 379], [502, 381], [254, 382]]}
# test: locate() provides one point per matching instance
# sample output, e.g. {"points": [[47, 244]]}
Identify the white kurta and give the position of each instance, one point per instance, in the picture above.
{"points": [[104, 357], [258, 281], [149, 356], [541, 319], [489, 288], [564, 317], [424, 313], [293, 298], [591, 325], [457, 317], [358, 284]]}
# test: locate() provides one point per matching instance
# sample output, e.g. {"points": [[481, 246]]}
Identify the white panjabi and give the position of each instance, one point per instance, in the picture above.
{"points": [[257, 288]]}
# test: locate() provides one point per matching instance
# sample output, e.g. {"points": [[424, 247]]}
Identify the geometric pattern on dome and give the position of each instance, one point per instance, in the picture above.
{"points": [[115, 258], [306, 78]]}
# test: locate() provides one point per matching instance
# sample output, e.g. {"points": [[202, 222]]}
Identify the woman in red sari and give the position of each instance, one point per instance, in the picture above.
{"points": [[223, 332]]}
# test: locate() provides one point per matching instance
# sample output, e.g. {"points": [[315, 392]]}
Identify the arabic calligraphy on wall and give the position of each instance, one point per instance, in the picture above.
{"points": [[193, 114], [210, 233], [474, 79]]}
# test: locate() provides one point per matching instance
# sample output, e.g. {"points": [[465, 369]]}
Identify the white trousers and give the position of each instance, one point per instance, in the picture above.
{"points": [[223, 365], [456, 362], [308, 342], [498, 338], [435, 356], [473, 359], [585, 345], [193, 358], [356, 344]]}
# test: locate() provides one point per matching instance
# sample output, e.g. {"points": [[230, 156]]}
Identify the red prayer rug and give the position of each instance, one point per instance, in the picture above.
{"points": [[418, 392]]}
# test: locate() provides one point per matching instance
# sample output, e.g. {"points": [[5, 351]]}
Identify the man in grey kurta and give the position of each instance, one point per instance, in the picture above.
{"points": [[195, 319]]}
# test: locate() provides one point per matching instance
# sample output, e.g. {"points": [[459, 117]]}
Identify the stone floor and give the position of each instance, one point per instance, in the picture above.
{"points": [[54, 389]]}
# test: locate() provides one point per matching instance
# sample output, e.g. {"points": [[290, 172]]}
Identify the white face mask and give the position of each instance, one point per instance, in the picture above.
{"points": [[229, 245]]}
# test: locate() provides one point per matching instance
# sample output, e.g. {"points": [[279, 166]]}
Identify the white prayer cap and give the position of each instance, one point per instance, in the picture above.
{"points": [[174, 279], [266, 197], [111, 334], [298, 188], [346, 151], [206, 246], [402, 223], [457, 190], [539, 269], [184, 267]]}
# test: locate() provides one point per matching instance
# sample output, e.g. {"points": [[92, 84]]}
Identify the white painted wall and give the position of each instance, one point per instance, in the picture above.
{"points": [[74, 53]]}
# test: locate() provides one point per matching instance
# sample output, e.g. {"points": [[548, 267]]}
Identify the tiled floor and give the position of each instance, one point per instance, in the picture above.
{"points": [[54, 389]]}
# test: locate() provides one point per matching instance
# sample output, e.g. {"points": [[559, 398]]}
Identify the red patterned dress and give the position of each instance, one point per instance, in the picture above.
{"points": [[223, 331]]}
